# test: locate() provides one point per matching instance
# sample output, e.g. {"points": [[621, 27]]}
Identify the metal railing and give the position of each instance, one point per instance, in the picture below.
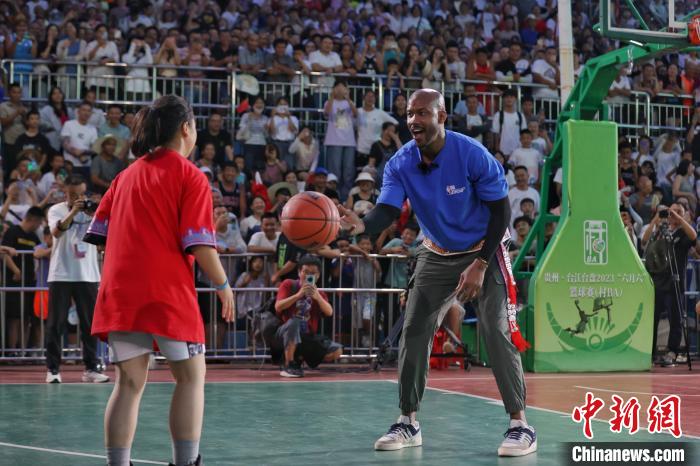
{"points": [[228, 341], [216, 90]]}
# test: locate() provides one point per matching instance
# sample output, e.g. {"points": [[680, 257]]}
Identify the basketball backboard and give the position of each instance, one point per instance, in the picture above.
{"points": [[644, 21]]}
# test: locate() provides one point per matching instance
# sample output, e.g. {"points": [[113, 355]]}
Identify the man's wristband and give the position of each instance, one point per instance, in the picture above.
{"points": [[221, 287], [483, 261]]}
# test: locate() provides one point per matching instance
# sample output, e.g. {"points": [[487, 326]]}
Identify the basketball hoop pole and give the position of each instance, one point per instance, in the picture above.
{"points": [[566, 50]]}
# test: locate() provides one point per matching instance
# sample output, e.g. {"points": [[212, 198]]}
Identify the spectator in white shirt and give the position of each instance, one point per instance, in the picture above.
{"points": [[620, 89], [369, 126], [327, 61], [100, 52], [305, 150], [251, 224], [546, 71], [77, 137], [527, 156], [283, 128], [521, 191], [507, 124], [265, 241]]}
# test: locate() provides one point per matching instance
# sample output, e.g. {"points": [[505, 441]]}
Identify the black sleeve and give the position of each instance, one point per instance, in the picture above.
{"points": [[379, 218], [10, 238], [496, 228], [376, 154]]}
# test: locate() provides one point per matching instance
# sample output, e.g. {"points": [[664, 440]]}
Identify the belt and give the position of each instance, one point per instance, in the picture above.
{"points": [[445, 252]]}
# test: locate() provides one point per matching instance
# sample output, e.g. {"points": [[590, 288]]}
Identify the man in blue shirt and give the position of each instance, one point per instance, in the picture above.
{"points": [[460, 196]]}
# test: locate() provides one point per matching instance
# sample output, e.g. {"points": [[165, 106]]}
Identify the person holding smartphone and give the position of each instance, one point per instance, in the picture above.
{"points": [[300, 306]]}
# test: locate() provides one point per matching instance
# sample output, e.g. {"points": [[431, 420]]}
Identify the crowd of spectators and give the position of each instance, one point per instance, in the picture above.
{"points": [[274, 153]]}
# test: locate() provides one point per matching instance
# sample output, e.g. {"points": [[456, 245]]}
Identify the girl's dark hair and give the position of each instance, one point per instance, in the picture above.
{"points": [[158, 123], [64, 109], [683, 167]]}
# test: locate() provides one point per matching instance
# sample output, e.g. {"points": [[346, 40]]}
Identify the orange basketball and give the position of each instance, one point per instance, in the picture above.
{"points": [[310, 220]]}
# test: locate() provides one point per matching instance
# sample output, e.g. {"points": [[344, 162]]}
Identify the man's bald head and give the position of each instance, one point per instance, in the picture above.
{"points": [[428, 97], [426, 117]]}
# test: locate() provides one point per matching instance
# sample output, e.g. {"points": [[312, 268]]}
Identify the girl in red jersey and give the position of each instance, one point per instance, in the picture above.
{"points": [[155, 216]]}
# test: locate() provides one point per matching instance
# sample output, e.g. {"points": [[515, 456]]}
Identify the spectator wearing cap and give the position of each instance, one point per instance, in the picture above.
{"points": [[340, 136], [507, 124], [319, 182], [305, 150], [520, 191], [106, 166], [301, 306], [369, 122], [365, 198]]}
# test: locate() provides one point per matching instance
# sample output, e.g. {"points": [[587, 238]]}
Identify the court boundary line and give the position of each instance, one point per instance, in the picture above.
{"points": [[633, 392], [70, 453], [538, 408]]}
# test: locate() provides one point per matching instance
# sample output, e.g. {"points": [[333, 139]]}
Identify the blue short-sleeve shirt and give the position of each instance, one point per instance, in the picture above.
{"points": [[449, 199]]}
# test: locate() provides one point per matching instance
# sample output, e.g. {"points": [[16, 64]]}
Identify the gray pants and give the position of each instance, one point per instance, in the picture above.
{"points": [[435, 278]]}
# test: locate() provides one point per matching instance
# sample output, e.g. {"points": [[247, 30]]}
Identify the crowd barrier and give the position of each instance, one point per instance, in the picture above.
{"points": [[236, 340], [212, 89]]}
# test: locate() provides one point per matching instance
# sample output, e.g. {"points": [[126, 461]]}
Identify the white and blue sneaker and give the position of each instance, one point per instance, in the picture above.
{"points": [[520, 440], [403, 434]]}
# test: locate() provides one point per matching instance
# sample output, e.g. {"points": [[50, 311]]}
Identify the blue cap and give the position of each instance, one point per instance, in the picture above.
{"points": [[320, 171]]}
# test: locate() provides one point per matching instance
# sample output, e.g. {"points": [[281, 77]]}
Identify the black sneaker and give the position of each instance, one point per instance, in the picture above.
{"points": [[292, 370]]}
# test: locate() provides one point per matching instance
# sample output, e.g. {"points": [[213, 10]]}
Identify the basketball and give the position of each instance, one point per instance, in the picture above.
{"points": [[310, 220]]}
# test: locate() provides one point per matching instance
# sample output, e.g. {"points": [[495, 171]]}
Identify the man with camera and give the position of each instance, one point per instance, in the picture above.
{"points": [[667, 240], [301, 306], [74, 274]]}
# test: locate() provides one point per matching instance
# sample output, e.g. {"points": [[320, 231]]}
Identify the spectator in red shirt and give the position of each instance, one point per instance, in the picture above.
{"points": [[301, 306]]}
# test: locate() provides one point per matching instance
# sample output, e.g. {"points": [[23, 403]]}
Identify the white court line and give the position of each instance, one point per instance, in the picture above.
{"points": [[71, 453], [537, 408], [215, 382], [683, 395]]}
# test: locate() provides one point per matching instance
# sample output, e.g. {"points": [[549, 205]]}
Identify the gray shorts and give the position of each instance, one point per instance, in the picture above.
{"points": [[129, 345]]}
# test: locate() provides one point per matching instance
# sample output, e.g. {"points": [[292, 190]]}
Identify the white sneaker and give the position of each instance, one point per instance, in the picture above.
{"points": [[681, 358], [520, 440], [94, 377], [448, 347], [403, 434], [53, 377]]}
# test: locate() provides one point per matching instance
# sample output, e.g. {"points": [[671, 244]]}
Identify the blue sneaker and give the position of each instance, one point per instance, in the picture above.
{"points": [[400, 435], [520, 440]]}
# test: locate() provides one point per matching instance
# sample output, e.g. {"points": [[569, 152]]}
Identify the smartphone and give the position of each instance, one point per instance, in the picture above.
{"points": [[311, 279]]}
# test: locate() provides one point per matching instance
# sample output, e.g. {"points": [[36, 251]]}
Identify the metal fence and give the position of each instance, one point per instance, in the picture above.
{"points": [[215, 89], [378, 304]]}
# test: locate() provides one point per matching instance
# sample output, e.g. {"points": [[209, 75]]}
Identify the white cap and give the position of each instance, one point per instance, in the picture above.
{"points": [[364, 176]]}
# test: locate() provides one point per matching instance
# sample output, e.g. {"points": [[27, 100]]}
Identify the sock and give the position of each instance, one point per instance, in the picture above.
{"points": [[518, 423], [118, 456], [185, 452], [407, 420]]}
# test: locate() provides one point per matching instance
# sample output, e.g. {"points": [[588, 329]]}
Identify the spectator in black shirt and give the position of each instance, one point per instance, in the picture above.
{"points": [[384, 149], [219, 137], [288, 256], [20, 272], [33, 139]]}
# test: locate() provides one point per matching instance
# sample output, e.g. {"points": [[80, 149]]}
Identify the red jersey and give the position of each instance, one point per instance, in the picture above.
{"points": [[312, 314], [153, 212]]}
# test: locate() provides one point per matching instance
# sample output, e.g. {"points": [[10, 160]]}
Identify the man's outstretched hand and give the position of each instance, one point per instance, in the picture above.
{"points": [[350, 221]]}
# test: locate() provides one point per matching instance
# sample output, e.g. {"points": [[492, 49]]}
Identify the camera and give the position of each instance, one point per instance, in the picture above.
{"points": [[90, 206], [663, 214], [311, 279]]}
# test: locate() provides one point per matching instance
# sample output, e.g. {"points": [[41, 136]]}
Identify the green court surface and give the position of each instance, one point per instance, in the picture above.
{"points": [[298, 423]]}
